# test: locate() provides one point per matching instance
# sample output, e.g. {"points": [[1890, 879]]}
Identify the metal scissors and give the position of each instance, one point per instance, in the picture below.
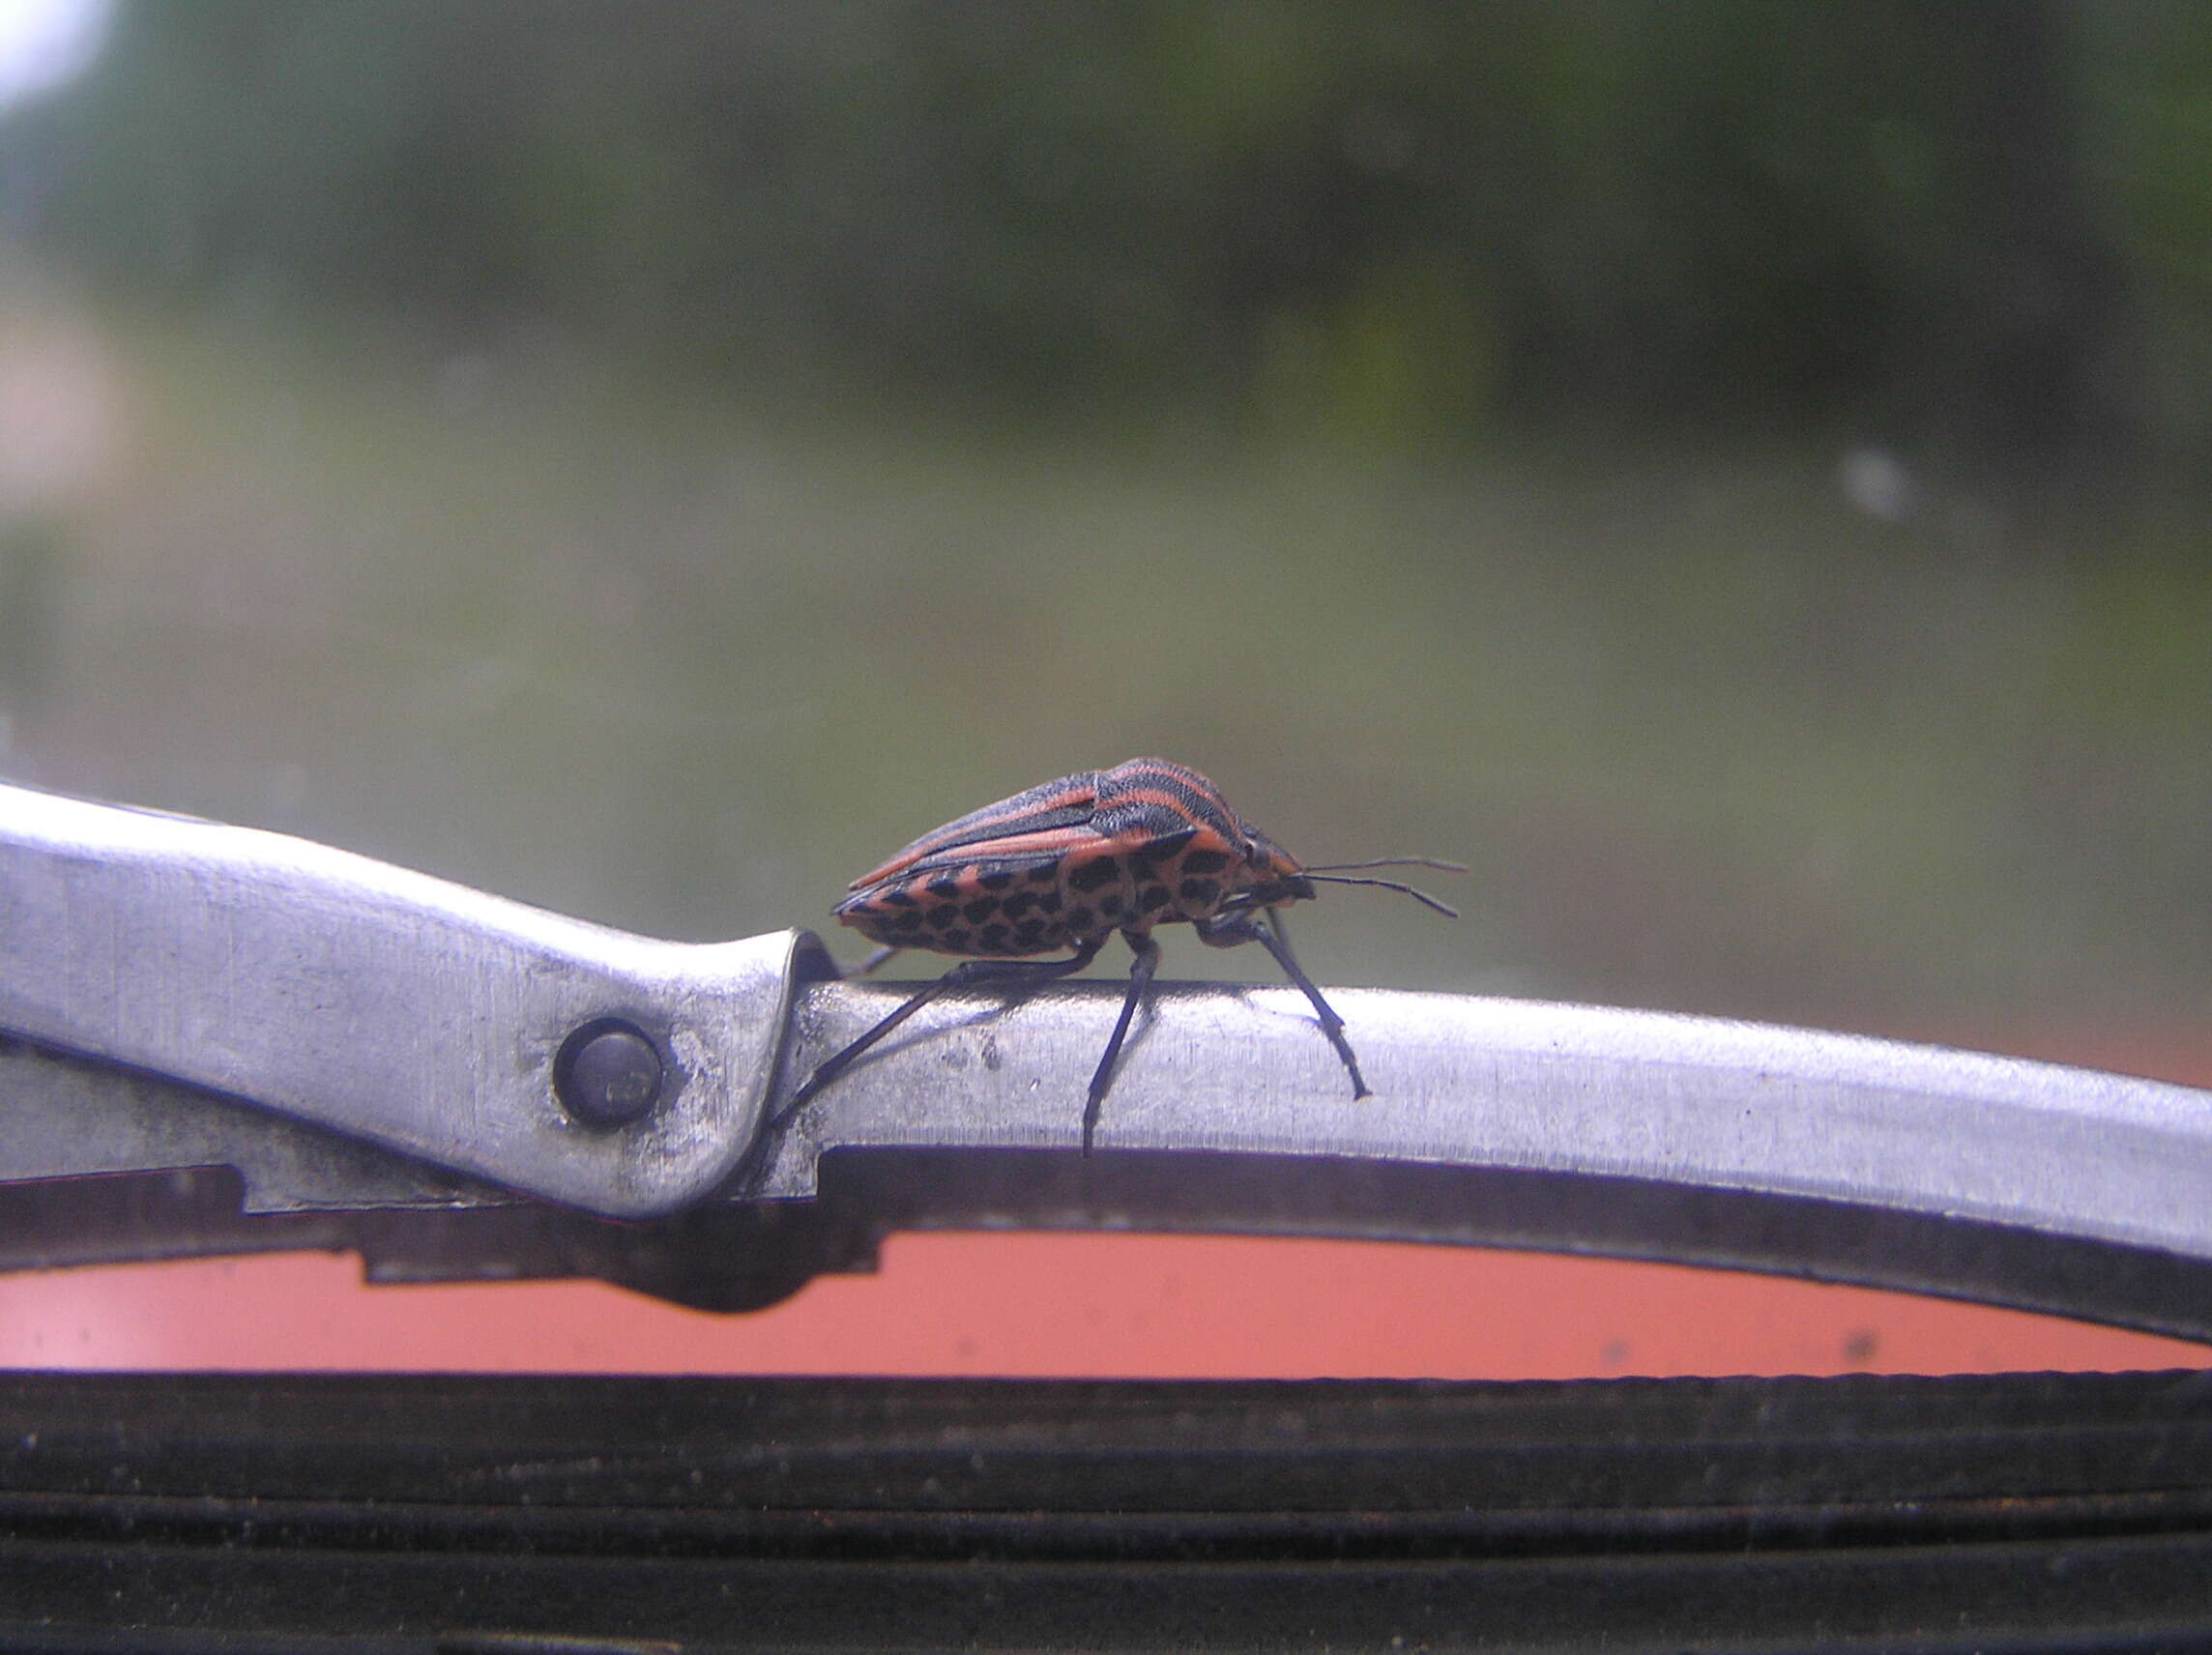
{"points": [[290, 1045]]}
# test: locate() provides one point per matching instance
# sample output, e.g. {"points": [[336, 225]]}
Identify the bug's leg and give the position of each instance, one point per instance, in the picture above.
{"points": [[877, 957], [1141, 971], [1228, 930], [966, 974]]}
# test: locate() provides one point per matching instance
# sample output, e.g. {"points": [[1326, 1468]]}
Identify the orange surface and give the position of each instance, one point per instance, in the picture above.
{"points": [[1043, 1304], [1054, 1304]]}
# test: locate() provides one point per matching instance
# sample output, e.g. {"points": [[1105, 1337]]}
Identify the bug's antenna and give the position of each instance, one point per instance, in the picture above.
{"points": [[1421, 897], [1436, 862]]}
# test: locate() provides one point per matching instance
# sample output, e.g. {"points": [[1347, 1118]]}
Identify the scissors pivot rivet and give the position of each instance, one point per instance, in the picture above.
{"points": [[608, 1073]]}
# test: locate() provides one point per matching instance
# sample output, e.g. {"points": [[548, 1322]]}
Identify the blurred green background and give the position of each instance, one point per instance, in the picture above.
{"points": [[1732, 471]]}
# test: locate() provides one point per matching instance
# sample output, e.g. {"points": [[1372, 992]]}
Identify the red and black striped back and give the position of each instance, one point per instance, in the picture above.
{"points": [[1143, 844], [1046, 819]]}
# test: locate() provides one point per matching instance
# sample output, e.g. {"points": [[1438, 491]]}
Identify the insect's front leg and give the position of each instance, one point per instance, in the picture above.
{"points": [[1242, 926], [966, 974]]}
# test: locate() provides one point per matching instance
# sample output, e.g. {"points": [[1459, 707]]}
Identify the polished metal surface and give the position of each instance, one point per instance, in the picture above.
{"points": [[1533, 1087], [399, 1008], [376, 1011]]}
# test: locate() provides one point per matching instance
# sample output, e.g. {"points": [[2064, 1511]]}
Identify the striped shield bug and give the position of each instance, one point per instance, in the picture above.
{"points": [[1064, 866]]}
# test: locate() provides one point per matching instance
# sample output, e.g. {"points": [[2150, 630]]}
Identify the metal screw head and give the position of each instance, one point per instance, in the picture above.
{"points": [[608, 1073]]}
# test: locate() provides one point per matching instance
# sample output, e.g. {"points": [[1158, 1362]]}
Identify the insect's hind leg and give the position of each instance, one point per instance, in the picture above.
{"points": [[1141, 971], [966, 974], [1228, 930]]}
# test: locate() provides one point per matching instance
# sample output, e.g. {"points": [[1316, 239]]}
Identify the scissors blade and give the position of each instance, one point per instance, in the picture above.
{"points": [[1525, 1124]]}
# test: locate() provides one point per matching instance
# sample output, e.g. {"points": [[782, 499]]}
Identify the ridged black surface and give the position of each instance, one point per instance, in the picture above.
{"points": [[2029, 1512]]}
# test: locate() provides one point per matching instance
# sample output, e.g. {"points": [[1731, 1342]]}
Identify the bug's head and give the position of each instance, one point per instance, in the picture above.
{"points": [[1270, 876], [1274, 877]]}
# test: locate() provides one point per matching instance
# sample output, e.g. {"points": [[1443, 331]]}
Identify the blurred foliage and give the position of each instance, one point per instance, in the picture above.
{"points": [[651, 459], [1980, 227], [1709, 738]]}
